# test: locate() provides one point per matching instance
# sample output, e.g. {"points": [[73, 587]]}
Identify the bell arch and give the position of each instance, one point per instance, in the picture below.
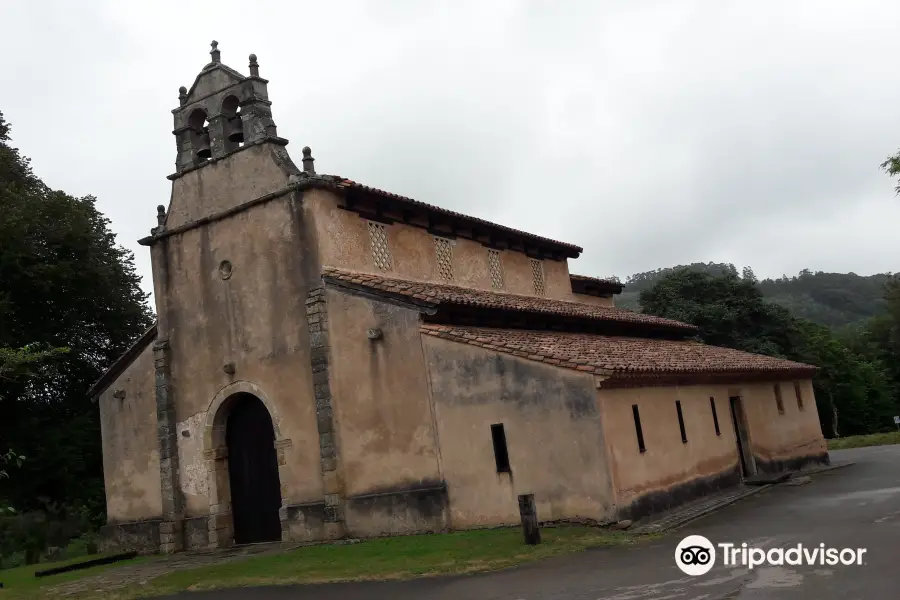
{"points": [[198, 123], [234, 125]]}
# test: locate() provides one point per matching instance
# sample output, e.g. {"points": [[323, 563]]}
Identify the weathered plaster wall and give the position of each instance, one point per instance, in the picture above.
{"points": [[237, 178], [783, 440], [256, 320], [553, 431], [344, 243], [671, 472], [651, 476], [130, 450], [382, 410]]}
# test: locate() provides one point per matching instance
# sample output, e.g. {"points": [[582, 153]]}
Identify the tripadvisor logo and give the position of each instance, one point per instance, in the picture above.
{"points": [[696, 555]]}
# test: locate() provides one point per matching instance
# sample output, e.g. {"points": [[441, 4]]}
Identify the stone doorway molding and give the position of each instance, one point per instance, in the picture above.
{"points": [[215, 453]]}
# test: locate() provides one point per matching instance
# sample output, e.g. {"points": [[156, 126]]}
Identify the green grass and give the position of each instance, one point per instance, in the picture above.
{"points": [[378, 559], [860, 441], [21, 582]]}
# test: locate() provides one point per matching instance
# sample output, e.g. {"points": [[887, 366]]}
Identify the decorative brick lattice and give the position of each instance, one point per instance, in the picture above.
{"points": [[495, 268], [537, 276], [443, 251], [381, 252]]}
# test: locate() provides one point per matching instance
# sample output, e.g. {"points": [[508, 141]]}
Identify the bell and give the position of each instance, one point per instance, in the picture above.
{"points": [[236, 129], [203, 150]]}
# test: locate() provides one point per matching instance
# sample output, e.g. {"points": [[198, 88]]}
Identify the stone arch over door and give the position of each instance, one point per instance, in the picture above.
{"points": [[221, 524]]}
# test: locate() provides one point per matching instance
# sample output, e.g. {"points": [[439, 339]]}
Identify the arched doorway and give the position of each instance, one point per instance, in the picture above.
{"points": [[252, 471]]}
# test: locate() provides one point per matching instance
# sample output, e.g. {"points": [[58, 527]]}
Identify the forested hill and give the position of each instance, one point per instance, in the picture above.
{"points": [[832, 299]]}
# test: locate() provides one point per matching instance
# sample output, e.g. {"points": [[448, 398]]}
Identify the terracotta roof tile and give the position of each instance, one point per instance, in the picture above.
{"points": [[625, 360], [349, 183], [582, 284], [443, 294]]}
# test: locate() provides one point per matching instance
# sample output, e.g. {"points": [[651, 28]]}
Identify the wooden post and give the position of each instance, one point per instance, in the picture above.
{"points": [[528, 512]]}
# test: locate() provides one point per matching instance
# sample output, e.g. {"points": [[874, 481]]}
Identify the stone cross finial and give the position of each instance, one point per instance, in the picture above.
{"points": [[182, 95], [308, 161], [216, 55], [254, 66]]}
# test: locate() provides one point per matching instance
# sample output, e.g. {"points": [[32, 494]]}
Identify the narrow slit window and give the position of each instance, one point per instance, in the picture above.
{"points": [[799, 394], [637, 427], [501, 453], [681, 422], [778, 401], [712, 405]]}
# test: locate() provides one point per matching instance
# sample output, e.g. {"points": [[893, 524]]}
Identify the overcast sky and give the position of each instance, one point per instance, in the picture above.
{"points": [[649, 133]]}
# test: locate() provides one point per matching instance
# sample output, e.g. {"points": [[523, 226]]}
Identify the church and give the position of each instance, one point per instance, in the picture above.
{"points": [[333, 360]]}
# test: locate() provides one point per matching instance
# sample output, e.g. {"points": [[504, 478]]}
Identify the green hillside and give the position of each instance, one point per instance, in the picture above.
{"points": [[832, 299]]}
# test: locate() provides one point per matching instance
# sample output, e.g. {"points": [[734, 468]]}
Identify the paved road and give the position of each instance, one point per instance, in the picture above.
{"points": [[854, 507]]}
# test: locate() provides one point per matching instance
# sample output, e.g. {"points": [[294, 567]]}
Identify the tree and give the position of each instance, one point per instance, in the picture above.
{"points": [[731, 311], [66, 284], [891, 166]]}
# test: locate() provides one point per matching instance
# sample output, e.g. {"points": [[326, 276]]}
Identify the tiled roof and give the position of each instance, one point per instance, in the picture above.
{"points": [[122, 362], [581, 283], [437, 294], [349, 183], [623, 360]]}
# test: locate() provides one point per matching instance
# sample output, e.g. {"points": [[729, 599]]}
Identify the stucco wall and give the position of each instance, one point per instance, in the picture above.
{"points": [[130, 449], [670, 471], [553, 431], [667, 461], [782, 438], [344, 243], [382, 410], [380, 395], [238, 178], [255, 319]]}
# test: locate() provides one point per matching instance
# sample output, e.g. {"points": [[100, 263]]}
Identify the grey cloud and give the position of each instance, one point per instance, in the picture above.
{"points": [[649, 133]]}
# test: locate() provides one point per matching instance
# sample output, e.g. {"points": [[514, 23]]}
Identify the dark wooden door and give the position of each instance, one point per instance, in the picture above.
{"points": [[253, 472]]}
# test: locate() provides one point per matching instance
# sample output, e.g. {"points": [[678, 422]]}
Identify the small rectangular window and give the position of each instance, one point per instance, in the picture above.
{"points": [[778, 401], [712, 405], [637, 427], [799, 394], [501, 453], [681, 422]]}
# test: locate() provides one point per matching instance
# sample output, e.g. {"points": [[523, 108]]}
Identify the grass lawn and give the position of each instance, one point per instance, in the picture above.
{"points": [[21, 582], [384, 558], [859, 441]]}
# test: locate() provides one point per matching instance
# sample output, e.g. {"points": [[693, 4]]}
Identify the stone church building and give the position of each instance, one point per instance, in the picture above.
{"points": [[333, 360]]}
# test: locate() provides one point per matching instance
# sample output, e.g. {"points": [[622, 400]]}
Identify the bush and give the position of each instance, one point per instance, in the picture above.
{"points": [[51, 535]]}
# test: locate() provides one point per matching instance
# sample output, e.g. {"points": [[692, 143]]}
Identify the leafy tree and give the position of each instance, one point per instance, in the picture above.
{"points": [[66, 284], [891, 166], [839, 300]]}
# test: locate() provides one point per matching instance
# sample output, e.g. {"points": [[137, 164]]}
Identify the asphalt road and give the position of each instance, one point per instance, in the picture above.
{"points": [[854, 507]]}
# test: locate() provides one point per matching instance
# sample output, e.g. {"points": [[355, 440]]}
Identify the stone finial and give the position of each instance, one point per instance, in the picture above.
{"points": [[254, 66], [182, 95], [308, 161], [161, 215], [216, 55]]}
